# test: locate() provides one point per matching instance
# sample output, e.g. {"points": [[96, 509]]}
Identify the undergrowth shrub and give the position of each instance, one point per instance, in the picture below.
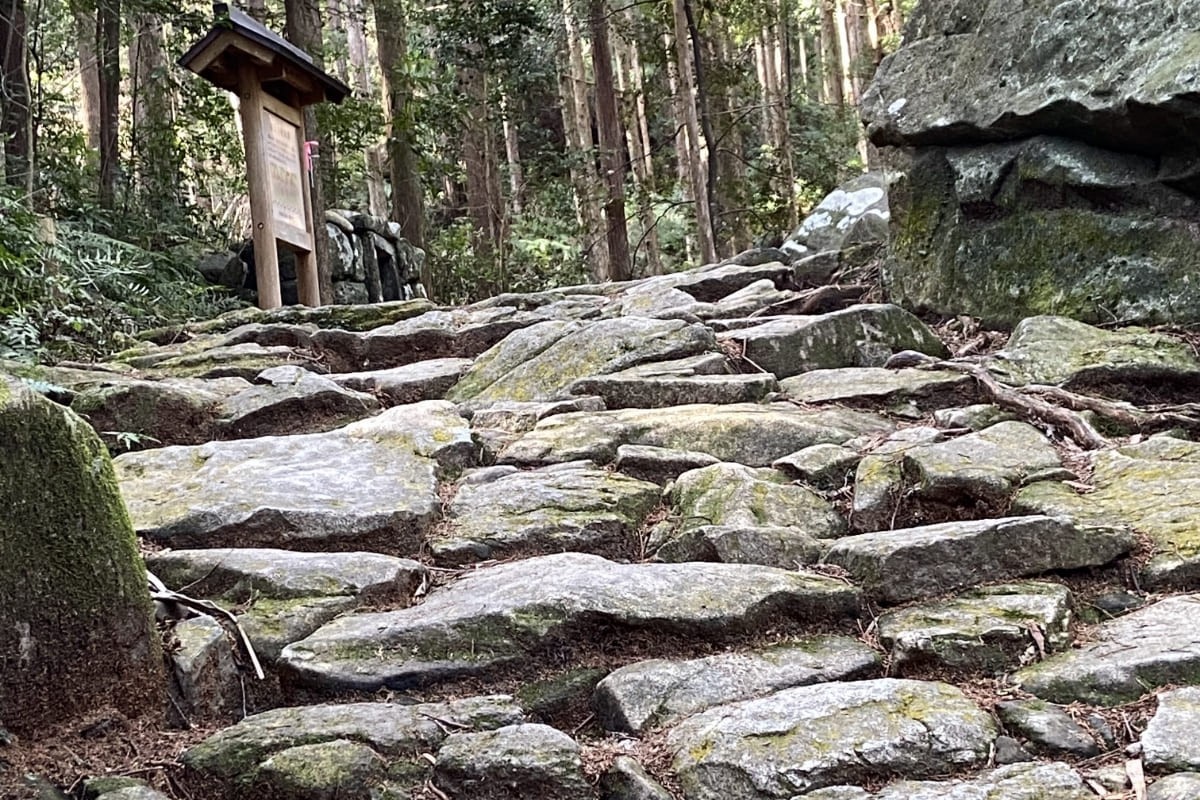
{"points": [[73, 293]]}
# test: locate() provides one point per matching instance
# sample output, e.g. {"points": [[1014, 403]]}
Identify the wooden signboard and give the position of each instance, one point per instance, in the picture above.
{"points": [[274, 81]]}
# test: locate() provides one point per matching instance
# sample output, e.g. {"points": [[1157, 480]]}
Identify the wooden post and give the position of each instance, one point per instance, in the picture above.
{"points": [[266, 258]]}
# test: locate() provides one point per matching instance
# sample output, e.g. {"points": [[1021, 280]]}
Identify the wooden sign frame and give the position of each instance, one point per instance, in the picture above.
{"points": [[273, 80]]}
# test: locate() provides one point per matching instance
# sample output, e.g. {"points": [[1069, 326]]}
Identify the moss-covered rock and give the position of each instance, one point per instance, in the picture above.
{"points": [[512, 762], [987, 630], [798, 740], [1032, 781], [76, 628], [1124, 658], [555, 509]]}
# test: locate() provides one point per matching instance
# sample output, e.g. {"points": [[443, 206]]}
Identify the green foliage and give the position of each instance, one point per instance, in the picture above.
{"points": [[77, 293]]}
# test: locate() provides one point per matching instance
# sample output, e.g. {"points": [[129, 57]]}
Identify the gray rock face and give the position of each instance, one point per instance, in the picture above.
{"points": [[788, 346], [854, 213], [549, 510], [754, 435], [626, 779], [929, 387], [370, 483], [1058, 350], [425, 380], [1148, 486], [896, 566], [987, 630], [1180, 786], [1130, 655], [657, 693], [1015, 782], [828, 734], [980, 72], [1171, 742], [1019, 228], [511, 762], [290, 400], [1048, 728], [503, 614], [631, 391], [283, 574], [541, 362], [237, 757]]}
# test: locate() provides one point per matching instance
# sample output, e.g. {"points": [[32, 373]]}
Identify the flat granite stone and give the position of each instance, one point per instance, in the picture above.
{"points": [[527, 760], [788, 346], [518, 417], [1149, 486], [661, 692], [541, 362], [1047, 728], [234, 757], [626, 779], [802, 739], [1180, 786], [412, 383], [901, 565], [287, 400], [340, 768], [930, 388], [1028, 781], [1124, 658], [737, 495], [164, 412], [985, 630], [369, 485], [582, 509], [879, 478], [1171, 741], [754, 435], [1058, 350], [503, 614], [242, 573], [659, 464], [823, 466]]}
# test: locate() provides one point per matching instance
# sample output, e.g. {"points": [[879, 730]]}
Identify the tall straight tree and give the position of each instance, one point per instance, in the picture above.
{"points": [[612, 147], [698, 149], [408, 208], [577, 121], [16, 117], [89, 71], [108, 50], [156, 158], [303, 29]]}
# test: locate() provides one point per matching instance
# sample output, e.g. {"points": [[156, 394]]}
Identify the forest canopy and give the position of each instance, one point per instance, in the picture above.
{"points": [[521, 143]]}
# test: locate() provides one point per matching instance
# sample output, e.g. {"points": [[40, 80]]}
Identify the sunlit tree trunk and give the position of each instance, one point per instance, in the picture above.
{"points": [[303, 29], [512, 149], [89, 75], [699, 155], [408, 207], [16, 116], [630, 83], [156, 158], [485, 208], [729, 153], [831, 59], [108, 43], [360, 74], [612, 147], [578, 123], [683, 145]]}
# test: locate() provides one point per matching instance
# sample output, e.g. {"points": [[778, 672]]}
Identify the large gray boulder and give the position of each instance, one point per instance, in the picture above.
{"points": [[1050, 162]]}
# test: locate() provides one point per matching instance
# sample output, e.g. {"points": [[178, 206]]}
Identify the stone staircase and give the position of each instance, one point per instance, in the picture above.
{"points": [[659, 540]]}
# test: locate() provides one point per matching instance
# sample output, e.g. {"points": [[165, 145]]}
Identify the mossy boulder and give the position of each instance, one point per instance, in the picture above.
{"points": [[1044, 226], [76, 629], [797, 740], [513, 762]]}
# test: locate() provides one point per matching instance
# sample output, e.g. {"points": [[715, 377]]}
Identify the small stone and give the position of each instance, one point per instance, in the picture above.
{"points": [[528, 760], [1180, 786], [334, 770], [1008, 750], [1049, 729], [822, 466], [1171, 741], [626, 779]]}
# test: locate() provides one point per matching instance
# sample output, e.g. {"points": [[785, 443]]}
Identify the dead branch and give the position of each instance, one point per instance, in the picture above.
{"points": [[159, 592]]}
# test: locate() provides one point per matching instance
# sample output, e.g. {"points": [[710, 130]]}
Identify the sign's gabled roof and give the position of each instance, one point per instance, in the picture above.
{"points": [[209, 58]]}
